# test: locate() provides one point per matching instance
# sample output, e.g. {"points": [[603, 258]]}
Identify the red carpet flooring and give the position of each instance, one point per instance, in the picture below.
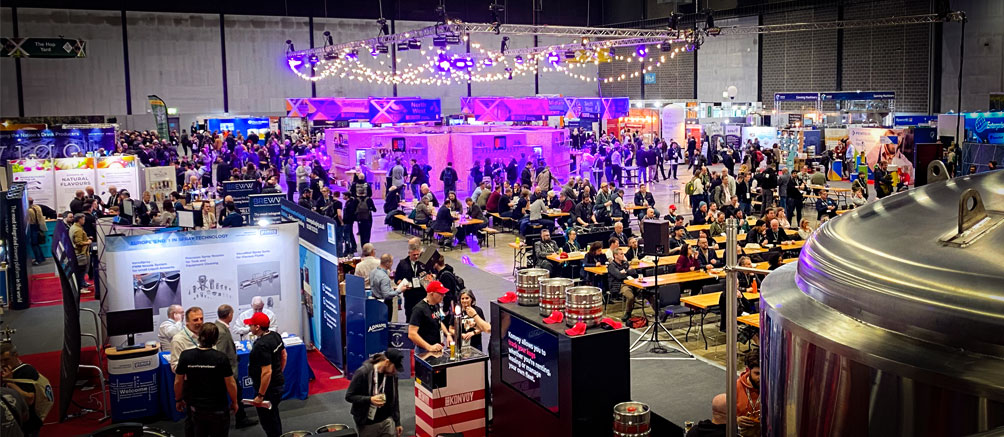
{"points": [[45, 291], [323, 372]]}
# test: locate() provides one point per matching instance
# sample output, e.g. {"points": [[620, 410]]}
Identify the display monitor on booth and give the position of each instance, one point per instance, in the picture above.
{"points": [[129, 323], [530, 361], [397, 144], [499, 143]]}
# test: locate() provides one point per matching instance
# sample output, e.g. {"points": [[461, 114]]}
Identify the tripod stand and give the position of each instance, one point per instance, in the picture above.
{"points": [[651, 334]]}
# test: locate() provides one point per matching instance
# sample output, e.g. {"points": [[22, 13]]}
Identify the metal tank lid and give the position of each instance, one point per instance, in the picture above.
{"points": [[899, 264]]}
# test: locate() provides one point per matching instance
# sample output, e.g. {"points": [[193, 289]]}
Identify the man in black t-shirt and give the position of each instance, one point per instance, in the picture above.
{"points": [[202, 382], [265, 365], [426, 320], [14, 368]]}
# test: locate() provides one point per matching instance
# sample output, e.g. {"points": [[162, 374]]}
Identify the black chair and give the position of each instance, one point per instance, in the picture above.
{"points": [[669, 301]]}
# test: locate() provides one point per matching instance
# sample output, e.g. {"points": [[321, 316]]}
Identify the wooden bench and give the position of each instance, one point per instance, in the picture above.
{"points": [[676, 196], [445, 239], [489, 232], [502, 222]]}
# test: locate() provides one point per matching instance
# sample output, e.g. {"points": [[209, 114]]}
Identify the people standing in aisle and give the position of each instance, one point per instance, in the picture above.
{"points": [[171, 326], [374, 396], [82, 250], [425, 324], [186, 338], [225, 344], [383, 287], [410, 270], [691, 152], [36, 231], [265, 366], [362, 192], [449, 178], [204, 378]]}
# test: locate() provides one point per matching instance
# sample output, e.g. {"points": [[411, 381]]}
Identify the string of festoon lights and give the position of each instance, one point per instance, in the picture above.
{"points": [[443, 67]]}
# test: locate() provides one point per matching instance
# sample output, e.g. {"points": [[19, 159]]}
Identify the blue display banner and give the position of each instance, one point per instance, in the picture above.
{"points": [[914, 120], [862, 95], [649, 78], [557, 106], [135, 389], [266, 207], [243, 125], [315, 229], [54, 143], [802, 97], [331, 332], [397, 110], [366, 324], [240, 191], [985, 127]]}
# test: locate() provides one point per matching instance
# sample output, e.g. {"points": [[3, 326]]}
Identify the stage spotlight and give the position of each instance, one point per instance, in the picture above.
{"points": [[328, 56], [519, 60], [613, 51], [402, 46], [553, 58], [313, 59], [509, 70], [674, 21], [415, 44], [461, 63], [352, 56], [294, 62], [443, 62], [504, 45], [439, 41], [666, 47], [328, 40], [384, 27], [488, 62], [374, 52], [641, 51], [289, 46], [453, 39], [570, 54]]}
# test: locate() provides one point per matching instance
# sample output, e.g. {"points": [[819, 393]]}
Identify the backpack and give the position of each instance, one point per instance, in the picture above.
{"points": [[44, 398], [459, 281], [637, 322], [689, 189]]}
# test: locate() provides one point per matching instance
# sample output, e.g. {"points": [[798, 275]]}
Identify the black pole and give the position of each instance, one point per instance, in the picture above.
{"points": [[958, 109], [223, 59], [17, 67], [125, 59], [840, 50], [313, 71]]}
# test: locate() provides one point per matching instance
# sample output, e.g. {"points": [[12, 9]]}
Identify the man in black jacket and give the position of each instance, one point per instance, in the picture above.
{"points": [[619, 270], [374, 395], [409, 269]]}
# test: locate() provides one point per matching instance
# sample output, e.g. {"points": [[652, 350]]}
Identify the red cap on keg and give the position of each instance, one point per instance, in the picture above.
{"points": [[555, 317], [608, 323]]}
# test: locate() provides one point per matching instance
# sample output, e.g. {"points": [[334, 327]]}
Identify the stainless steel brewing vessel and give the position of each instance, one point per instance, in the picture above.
{"points": [[892, 321]]}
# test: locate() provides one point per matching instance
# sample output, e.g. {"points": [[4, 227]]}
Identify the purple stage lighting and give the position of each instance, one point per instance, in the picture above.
{"points": [[314, 59], [443, 62], [641, 51], [352, 56], [519, 60], [553, 58], [488, 62]]}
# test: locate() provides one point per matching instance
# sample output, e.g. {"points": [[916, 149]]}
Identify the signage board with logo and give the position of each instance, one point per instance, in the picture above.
{"points": [[985, 127]]}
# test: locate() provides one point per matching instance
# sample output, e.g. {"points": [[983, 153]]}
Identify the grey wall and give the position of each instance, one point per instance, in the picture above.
{"points": [[984, 62], [800, 61], [729, 61]]}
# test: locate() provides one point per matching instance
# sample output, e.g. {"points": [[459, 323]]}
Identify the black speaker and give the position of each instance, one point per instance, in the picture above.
{"points": [[655, 234], [428, 258]]}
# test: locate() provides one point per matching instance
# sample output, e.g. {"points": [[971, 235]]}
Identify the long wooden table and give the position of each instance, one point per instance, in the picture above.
{"points": [[750, 319], [704, 303], [764, 265], [572, 256], [671, 278]]}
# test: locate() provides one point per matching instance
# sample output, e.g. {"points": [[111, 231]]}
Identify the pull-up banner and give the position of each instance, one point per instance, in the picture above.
{"points": [[15, 208], [266, 207], [240, 191]]}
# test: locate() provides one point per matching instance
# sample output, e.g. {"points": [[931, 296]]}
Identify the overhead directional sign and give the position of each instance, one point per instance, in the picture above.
{"points": [[43, 48]]}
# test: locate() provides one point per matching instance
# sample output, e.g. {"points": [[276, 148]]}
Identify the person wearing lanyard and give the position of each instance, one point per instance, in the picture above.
{"points": [[202, 382], [265, 366], [374, 396], [185, 339], [748, 395], [411, 270], [426, 321]]}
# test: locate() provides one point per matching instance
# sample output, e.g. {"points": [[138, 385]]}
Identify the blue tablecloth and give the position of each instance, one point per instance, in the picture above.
{"points": [[297, 375]]}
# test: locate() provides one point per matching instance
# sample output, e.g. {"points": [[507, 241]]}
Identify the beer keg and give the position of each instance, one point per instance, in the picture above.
{"points": [[631, 419], [552, 294], [892, 321], [528, 286], [583, 304]]}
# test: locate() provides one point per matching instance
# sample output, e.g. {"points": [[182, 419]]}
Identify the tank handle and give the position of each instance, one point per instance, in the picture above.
{"points": [[971, 210], [936, 172]]}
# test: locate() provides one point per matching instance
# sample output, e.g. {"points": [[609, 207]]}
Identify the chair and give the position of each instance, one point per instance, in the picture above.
{"points": [[487, 233], [669, 301]]}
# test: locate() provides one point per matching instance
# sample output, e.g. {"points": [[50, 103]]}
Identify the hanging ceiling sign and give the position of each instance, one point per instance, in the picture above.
{"points": [[43, 48]]}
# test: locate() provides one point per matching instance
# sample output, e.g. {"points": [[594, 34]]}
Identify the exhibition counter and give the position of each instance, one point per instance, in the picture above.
{"points": [[297, 375], [451, 394], [545, 382]]}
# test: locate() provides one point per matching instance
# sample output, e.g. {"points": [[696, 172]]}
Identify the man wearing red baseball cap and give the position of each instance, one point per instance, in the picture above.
{"points": [[265, 365], [426, 321]]}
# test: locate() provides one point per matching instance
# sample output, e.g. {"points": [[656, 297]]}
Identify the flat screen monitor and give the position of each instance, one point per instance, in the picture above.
{"points": [[530, 360], [129, 322], [499, 143], [186, 218], [397, 144]]}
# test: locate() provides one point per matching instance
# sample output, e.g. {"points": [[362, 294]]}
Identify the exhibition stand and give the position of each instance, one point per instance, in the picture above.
{"points": [[136, 379], [451, 394], [366, 330], [545, 382], [296, 374]]}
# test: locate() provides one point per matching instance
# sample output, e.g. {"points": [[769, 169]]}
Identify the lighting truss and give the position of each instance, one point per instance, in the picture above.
{"points": [[845, 24]]}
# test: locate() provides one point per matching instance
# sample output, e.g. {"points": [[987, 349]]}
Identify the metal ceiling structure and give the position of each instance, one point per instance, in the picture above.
{"points": [[610, 37]]}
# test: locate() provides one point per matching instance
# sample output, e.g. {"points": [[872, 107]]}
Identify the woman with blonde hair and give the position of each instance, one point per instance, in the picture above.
{"points": [[804, 230]]}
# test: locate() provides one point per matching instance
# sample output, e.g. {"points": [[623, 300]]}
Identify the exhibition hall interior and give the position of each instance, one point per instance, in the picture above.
{"points": [[508, 218]]}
